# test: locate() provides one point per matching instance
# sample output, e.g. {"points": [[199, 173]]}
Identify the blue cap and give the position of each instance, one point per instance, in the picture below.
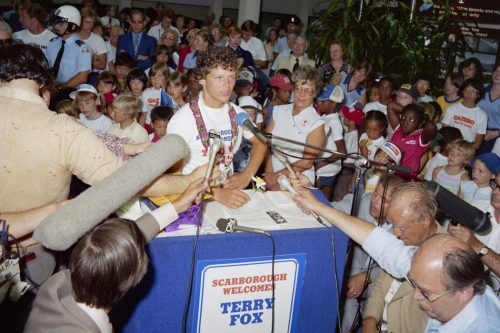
{"points": [[326, 94], [491, 160]]}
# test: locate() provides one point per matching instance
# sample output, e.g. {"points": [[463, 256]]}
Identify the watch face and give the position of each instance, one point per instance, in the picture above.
{"points": [[483, 251]]}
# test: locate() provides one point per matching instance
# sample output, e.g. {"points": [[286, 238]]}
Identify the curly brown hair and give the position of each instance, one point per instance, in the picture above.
{"points": [[213, 57]]}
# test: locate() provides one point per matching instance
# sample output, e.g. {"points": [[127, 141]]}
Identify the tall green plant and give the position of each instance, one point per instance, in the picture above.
{"points": [[385, 37]]}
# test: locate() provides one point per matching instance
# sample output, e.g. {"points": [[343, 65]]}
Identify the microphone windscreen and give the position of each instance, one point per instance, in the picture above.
{"points": [[222, 224], [458, 209], [65, 226], [241, 117]]}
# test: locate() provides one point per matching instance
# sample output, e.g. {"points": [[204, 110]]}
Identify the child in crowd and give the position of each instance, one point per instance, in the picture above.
{"points": [[413, 134], [155, 95], [375, 126], [448, 134], [373, 93], [450, 96], [384, 93], [177, 89], [329, 166], [452, 174], [254, 110], [125, 112], [353, 120], [135, 83], [162, 55], [244, 85], [405, 95], [484, 169], [160, 116], [123, 64], [353, 86], [388, 152], [89, 103], [423, 85], [108, 86], [470, 119], [281, 87], [66, 106]]}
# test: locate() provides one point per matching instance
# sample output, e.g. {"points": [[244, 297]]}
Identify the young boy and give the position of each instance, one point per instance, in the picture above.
{"points": [[423, 84], [448, 134], [160, 116], [125, 112], [484, 169], [385, 88], [450, 92], [216, 72], [88, 101], [329, 166]]}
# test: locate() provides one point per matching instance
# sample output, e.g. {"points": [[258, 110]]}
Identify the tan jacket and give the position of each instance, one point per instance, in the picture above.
{"points": [[289, 61]]}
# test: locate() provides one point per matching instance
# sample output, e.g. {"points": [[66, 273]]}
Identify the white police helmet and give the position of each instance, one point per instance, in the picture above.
{"points": [[68, 14]]}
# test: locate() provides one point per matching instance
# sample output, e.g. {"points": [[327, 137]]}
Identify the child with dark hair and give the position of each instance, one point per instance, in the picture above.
{"points": [[450, 96], [413, 134], [108, 86], [123, 64], [160, 116], [470, 119], [375, 126], [136, 81], [385, 87], [423, 85], [471, 68], [177, 87]]}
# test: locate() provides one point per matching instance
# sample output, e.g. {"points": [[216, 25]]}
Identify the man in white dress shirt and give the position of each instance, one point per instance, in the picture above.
{"points": [[166, 23], [252, 44]]}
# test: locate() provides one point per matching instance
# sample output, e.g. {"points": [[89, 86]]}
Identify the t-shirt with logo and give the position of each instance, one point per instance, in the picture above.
{"points": [[470, 121], [411, 147]]}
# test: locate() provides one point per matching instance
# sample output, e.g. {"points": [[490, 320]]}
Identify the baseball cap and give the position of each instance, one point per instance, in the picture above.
{"points": [[331, 92], [281, 81], [248, 102], [355, 114], [84, 87], [491, 160], [244, 76], [409, 89], [392, 151], [294, 19]]}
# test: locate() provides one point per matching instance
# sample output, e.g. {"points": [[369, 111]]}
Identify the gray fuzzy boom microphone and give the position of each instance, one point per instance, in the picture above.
{"points": [[65, 226]]}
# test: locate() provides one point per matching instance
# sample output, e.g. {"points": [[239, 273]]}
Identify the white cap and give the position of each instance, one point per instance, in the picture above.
{"points": [[392, 151], [249, 102], [84, 87]]}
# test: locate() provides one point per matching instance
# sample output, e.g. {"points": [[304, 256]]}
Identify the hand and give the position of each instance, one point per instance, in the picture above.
{"points": [[139, 148], [200, 172], [466, 235], [306, 201], [355, 285], [238, 180], [490, 135], [370, 325], [141, 57], [230, 197], [240, 62], [300, 181], [190, 195], [271, 179]]}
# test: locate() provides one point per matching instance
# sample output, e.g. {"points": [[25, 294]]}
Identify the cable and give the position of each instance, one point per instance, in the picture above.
{"points": [[273, 283], [193, 262]]}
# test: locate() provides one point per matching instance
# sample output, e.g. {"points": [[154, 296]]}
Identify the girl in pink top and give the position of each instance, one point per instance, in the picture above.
{"points": [[413, 134]]}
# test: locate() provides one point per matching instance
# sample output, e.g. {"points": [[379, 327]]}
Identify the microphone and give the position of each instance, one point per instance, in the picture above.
{"points": [[230, 225], [243, 119], [459, 210], [286, 185], [215, 143], [65, 226]]}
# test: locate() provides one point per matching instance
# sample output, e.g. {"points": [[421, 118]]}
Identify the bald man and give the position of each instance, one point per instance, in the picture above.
{"points": [[447, 275]]}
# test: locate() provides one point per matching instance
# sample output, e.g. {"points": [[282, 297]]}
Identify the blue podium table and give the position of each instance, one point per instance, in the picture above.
{"points": [[157, 304]]}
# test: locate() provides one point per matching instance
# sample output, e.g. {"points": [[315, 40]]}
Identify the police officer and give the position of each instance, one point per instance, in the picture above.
{"points": [[69, 58]]}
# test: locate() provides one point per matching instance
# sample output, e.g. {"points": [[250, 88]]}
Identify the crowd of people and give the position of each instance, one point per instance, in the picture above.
{"points": [[83, 93]]}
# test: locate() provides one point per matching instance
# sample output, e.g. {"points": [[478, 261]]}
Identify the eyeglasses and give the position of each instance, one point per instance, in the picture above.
{"points": [[471, 90], [494, 185], [215, 32], [304, 91], [168, 37], [426, 295]]}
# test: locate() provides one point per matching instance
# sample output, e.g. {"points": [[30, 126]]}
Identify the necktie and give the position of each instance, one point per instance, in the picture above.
{"points": [[136, 43], [296, 65], [58, 58]]}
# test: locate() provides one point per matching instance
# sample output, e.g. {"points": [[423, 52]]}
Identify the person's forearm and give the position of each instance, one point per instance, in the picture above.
{"points": [[23, 223], [99, 61], [259, 150], [76, 80], [261, 63], [166, 185]]}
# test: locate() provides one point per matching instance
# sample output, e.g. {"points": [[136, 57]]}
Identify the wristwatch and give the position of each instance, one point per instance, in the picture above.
{"points": [[484, 251]]}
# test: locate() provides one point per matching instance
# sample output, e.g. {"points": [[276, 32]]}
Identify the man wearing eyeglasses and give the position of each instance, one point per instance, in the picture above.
{"points": [[391, 305], [448, 276]]}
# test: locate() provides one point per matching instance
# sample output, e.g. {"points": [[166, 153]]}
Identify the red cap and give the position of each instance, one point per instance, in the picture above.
{"points": [[281, 81], [355, 114]]}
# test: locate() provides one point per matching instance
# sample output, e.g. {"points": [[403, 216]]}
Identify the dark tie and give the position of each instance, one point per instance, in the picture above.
{"points": [[58, 59], [296, 66]]}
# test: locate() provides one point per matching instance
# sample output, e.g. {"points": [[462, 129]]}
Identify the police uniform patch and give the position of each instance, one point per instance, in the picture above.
{"points": [[84, 49]]}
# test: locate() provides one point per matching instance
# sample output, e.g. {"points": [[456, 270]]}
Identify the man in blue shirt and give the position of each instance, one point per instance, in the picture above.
{"points": [[69, 58]]}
